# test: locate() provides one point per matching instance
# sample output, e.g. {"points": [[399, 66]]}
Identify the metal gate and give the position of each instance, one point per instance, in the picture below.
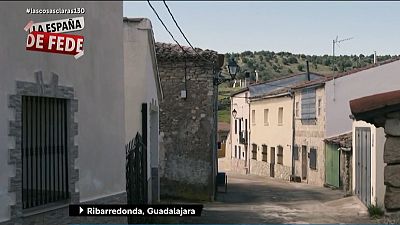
{"points": [[332, 160], [136, 182], [363, 164], [136, 169]]}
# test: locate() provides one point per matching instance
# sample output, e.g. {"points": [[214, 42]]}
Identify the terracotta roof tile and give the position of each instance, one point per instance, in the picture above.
{"points": [[171, 52], [343, 140], [223, 126], [373, 102]]}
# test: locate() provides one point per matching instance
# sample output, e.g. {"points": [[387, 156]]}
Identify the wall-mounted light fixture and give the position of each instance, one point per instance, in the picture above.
{"points": [[234, 113]]}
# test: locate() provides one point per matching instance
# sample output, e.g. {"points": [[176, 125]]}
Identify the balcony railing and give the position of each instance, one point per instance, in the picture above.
{"points": [[243, 137]]}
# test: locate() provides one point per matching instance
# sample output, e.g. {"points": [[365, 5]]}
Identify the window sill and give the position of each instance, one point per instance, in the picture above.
{"points": [[45, 208], [266, 124], [280, 124]]}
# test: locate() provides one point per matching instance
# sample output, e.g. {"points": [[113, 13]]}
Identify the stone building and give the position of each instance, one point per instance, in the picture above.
{"points": [[383, 110], [309, 134], [188, 122]]}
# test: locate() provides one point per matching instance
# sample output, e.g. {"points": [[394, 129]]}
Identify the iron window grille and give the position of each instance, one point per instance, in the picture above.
{"points": [[44, 151]]}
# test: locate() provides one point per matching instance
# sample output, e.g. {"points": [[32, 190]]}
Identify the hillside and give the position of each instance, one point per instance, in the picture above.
{"points": [[271, 65]]}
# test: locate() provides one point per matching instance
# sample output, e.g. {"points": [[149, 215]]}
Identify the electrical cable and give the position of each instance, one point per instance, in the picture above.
{"points": [[183, 34], [162, 22]]}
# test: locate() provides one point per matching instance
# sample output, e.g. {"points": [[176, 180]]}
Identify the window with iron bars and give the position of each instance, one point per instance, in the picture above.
{"points": [[264, 153], [280, 155], [254, 152], [44, 151]]}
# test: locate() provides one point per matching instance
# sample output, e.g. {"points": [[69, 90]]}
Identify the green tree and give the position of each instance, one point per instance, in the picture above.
{"points": [[300, 67], [292, 60]]}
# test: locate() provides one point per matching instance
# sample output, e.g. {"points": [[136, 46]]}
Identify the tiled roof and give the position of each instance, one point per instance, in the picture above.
{"points": [[374, 102], [171, 52], [223, 126], [343, 140], [240, 91], [288, 76]]}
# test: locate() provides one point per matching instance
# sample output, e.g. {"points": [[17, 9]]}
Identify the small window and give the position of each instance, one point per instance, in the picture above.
{"points": [[239, 152], [280, 116], [319, 107], [254, 151], [313, 158], [297, 109], [296, 152], [264, 153], [236, 126], [235, 151], [253, 117], [266, 120], [280, 155]]}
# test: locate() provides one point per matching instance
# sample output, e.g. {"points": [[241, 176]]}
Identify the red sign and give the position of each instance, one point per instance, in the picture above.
{"points": [[54, 42]]}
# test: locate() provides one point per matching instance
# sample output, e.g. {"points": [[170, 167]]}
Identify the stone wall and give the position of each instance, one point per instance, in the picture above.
{"points": [[392, 158], [282, 172], [260, 168], [187, 125], [61, 216]]}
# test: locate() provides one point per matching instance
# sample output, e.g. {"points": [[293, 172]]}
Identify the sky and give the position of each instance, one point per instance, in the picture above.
{"points": [[296, 27]]}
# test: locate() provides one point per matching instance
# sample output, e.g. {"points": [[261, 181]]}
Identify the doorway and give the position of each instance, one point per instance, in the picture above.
{"points": [[304, 162], [363, 164], [272, 162]]}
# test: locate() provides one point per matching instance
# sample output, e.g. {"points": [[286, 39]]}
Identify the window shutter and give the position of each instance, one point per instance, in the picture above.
{"points": [[296, 152], [313, 158], [308, 103]]}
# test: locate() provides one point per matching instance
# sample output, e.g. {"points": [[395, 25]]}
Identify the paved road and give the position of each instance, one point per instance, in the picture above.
{"points": [[255, 199]]}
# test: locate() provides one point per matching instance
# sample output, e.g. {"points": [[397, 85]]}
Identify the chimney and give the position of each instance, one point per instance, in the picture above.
{"points": [[256, 75], [308, 71], [374, 57]]}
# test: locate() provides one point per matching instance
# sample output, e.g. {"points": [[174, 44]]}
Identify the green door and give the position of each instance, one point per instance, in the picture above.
{"points": [[332, 165]]}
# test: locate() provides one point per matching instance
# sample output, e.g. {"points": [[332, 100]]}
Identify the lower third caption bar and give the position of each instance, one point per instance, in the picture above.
{"points": [[135, 210]]}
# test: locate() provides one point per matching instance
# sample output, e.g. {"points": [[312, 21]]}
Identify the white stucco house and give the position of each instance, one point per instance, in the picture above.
{"points": [[143, 94], [256, 147], [65, 121]]}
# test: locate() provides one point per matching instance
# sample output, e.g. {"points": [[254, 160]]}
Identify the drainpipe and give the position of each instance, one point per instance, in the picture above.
{"points": [[292, 94], [248, 137]]}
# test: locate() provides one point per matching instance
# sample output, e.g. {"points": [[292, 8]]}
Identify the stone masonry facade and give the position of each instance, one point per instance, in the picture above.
{"points": [[391, 156], [311, 135], [187, 122], [61, 216]]}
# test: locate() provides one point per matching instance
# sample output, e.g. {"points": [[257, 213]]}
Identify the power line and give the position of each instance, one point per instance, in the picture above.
{"points": [[162, 22], [183, 34]]}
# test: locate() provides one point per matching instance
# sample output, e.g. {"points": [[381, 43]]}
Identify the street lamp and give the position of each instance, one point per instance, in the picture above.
{"points": [[234, 113], [233, 68]]}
